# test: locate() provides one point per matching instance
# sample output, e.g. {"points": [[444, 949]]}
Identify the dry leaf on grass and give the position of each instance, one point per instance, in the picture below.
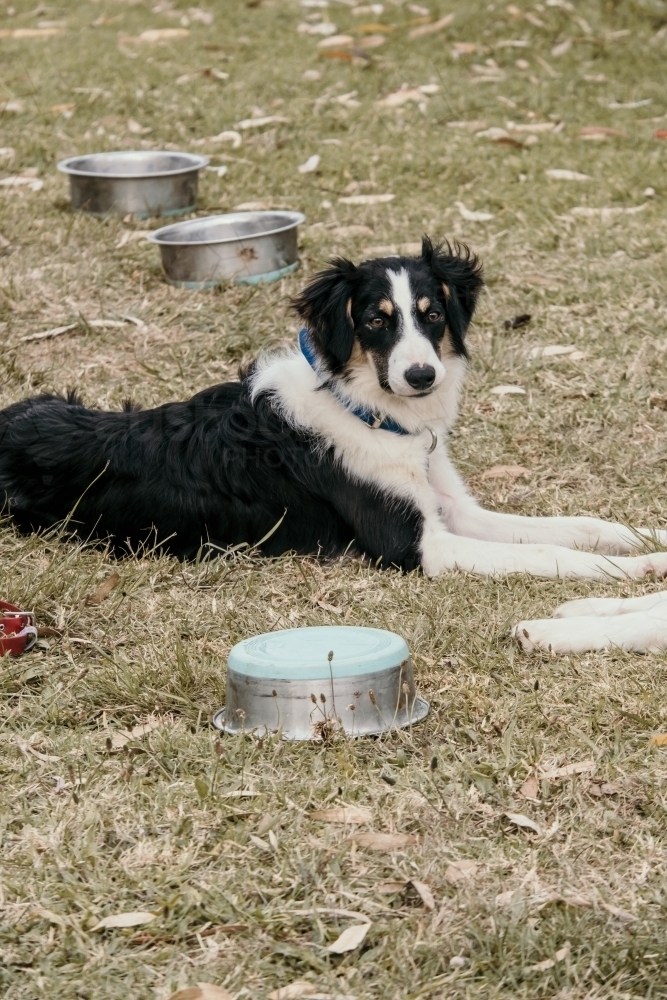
{"points": [[30, 32], [311, 164], [580, 767], [22, 180], [123, 736], [549, 963], [471, 216], [336, 41], [561, 48], [385, 841], [132, 236], [229, 136], [659, 740], [366, 199], [26, 747], [135, 918], [556, 174], [617, 912], [530, 789], [460, 870], [431, 29], [505, 471], [261, 122], [262, 845], [104, 589], [424, 893], [154, 35], [389, 887], [552, 350], [508, 390], [202, 991], [343, 814], [525, 822], [606, 213], [371, 42], [350, 939], [600, 132]]}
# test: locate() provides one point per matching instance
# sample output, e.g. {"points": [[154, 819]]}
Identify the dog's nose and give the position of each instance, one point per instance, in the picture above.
{"points": [[420, 376]]}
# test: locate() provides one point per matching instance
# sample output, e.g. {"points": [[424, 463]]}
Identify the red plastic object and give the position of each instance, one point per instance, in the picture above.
{"points": [[661, 133], [17, 629]]}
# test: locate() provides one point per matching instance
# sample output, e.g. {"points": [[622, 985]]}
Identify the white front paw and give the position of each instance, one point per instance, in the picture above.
{"points": [[532, 635]]}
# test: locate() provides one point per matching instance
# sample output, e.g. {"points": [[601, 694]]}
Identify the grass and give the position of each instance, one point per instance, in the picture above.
{"points": [[164, 823]]}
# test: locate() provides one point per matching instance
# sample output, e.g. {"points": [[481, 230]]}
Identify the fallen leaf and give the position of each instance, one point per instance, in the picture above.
{"points": [[229, 136], [21, 180], [385, 841], [552, 350], [600, 132], [530, 789], [617, 912], [499, 135], [508, 390], [659, 740], [371, 42], [123, 736], [580, 767], [606, 213], [401, 97], [311, 164], [258, 842], [531, 127], [293, 991], [660, 133], [431, 29], [322, 28], [59, 109], [132, 236], [629, 105], [566, 175], [34, 32], [471, 126], [104, 589], [389, 887], [202, 991], [135, 128], [366, 199], [460, 870], [7, 153], [471, 216], [26, 747], [561, 48], [525, 822], [132, 919], [424, 893], [261, 122], [341, 41], [153, 35], [505, 471], [549, 963], [350, 939], [463, 49], [343, 814]]}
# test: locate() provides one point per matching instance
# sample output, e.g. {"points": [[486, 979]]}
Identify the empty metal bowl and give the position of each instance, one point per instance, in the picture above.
{"points": [[141, 182], [309, 683], [246, 247]]}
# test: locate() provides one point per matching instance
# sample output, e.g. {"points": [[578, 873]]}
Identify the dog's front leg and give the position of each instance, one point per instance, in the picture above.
{"points": [[463, 516], [442, 551]]}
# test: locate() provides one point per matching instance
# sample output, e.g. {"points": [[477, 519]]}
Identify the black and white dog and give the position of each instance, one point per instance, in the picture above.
{"points": [[340, 440]]}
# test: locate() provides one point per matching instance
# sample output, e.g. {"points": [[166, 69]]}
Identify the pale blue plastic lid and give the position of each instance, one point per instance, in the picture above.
{"points": [[302, 653]]}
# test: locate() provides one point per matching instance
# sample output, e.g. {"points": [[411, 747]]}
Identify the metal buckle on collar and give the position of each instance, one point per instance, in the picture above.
{"points": [[434, 441]]}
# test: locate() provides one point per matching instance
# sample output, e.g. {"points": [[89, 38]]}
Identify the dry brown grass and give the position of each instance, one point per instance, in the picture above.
{"points": [[164, 823]]}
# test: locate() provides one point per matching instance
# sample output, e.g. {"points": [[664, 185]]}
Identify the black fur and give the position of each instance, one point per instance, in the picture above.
{"points": [[221, 468]]}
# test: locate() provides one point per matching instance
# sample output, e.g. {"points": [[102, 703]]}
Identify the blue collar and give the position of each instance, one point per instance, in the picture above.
{"points": [[373, 420]]}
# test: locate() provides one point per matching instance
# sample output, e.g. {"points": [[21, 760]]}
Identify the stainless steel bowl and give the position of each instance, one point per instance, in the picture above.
{"points": [[246, 247], [310, 683], [141, 182]]}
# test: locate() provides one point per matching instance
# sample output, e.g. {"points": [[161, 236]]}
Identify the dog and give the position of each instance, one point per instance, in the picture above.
{"points": [[338, 443], [636, 624]]}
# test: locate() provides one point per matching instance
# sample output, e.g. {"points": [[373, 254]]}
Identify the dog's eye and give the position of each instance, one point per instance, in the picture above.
{"points": [[377, 322], [433, 317]]}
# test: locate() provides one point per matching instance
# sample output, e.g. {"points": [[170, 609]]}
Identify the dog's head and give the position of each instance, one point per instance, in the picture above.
{"points": [[402, 315]]}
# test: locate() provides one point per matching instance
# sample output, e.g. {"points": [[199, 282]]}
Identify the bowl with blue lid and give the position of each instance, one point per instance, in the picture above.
{"points": [[311, 683]]}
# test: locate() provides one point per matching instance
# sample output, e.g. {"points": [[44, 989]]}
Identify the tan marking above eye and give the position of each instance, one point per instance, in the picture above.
{"points": [[423, 303], [446, 291], [348, 309], [386, 306]]}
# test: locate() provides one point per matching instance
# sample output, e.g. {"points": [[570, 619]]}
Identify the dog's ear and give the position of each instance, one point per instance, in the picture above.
{"points": [[460, 275], [325, 305]]}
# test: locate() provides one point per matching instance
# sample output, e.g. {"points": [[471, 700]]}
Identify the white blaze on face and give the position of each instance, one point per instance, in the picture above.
{"points": [[412, 347]]}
